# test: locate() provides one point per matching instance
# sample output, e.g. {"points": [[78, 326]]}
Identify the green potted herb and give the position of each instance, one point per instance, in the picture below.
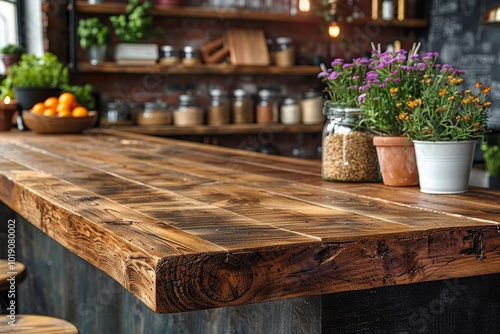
{"points": [[134, 27], [94, 36], [34, 78], [11, 53], [491, 155]]}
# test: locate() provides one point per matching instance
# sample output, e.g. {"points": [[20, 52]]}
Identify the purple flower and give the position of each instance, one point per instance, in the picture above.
{"points": [[397, 79], [347, 66], [355, 77], [334, 75], [382, 85], [337, 61], [361, 98]]}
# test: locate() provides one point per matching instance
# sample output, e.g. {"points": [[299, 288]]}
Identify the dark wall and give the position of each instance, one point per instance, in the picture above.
{"points": [[455, 33]]}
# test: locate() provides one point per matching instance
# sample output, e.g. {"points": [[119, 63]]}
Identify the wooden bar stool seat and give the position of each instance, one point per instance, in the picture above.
{"points": [[28, 323], [7, 271], [37, 324]]}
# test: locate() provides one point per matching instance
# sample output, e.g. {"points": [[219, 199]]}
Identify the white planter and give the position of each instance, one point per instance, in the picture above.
{"points": [[444, 167]]}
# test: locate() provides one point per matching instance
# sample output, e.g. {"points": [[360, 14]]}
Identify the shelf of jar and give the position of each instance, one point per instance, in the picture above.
{"points": [[226, 129], [112, 67], [199, 12], [237, 14]]}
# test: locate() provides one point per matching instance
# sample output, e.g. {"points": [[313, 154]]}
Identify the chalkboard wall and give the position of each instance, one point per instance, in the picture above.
{"points": [[455, 32]]}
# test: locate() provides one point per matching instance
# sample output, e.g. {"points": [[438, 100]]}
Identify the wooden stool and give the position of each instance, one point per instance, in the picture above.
{"points": [[28, 323], [6, 272], [37, 324]]}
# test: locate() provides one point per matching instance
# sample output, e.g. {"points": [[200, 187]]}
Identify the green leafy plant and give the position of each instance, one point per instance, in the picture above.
{"points": [[442, 112], [344, 79], [92, 32], [12, 49], [393, 79], [136, 24], [38, 72], [491, 155]]}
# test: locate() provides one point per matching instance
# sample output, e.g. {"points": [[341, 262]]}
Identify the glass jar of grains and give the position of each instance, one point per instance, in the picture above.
{"points": [[290, 111], [241, 107], [264, 109], [285, 53], [169, 55], [190, 56], [348, 153], [155, 113], [218, 110], [188, 113], [311, 107]]}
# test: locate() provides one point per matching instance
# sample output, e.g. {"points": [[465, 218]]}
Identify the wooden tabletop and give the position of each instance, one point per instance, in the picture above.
{"points": [[186, 226]]}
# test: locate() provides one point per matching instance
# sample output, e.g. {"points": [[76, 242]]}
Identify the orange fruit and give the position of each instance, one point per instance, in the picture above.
{"points": [[50, 112], [51, 102], [63, 108], [64, 113], [68, 99], [80, 112], [38, 108]]}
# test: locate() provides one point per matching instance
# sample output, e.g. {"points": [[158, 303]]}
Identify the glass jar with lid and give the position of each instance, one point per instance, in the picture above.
{"points": [[348, 153], [218, 110], [264, 109], [241, 107], [117, 112], [155, 113], [169, 55], [311, 107], [285, 53], [290, 111], [188, 112], [190, 56]]}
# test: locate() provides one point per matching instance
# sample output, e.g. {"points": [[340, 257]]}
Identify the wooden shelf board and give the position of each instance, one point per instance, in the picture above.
{"points": [[228, 129], [199, 12], [112, 67], [235, 14]]}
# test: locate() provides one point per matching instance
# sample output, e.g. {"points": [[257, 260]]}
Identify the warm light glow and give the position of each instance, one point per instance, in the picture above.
{"points": [[304, 6], [334, 30], [6, 100]]}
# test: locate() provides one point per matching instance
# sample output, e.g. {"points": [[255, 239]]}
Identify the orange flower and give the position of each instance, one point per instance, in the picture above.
{"points": [[478, 84]]}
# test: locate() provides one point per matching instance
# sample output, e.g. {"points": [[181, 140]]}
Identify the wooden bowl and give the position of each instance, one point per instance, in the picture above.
{"points": [[53, 124]]}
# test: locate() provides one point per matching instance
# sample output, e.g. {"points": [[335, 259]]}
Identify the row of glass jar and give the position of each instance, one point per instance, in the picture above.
{"points": [[241, 108]]}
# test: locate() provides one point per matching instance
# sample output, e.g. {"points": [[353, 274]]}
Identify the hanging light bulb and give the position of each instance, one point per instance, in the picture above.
{"points": [[334, 29], [304, 6]]}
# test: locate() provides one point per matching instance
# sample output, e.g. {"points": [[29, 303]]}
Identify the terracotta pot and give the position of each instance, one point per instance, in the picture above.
{"points": [[9, 60], [397, 161], [6, 119]]}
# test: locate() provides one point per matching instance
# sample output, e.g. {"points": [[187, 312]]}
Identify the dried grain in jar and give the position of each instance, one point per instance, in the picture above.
{"points": [[187, 113], [348, 153], [155, 113], [218, 110], [241, 107]]}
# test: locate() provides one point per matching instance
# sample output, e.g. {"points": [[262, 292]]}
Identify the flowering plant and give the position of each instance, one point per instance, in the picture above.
{"points": [[344, 79], [392, 79], [442, 112]]}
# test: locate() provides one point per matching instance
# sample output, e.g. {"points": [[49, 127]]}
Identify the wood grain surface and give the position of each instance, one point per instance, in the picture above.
{"points": [[37, 324], [186, 226]]}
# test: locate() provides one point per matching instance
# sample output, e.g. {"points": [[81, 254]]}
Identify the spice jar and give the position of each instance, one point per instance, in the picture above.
{"points": [[190, 56], [241, 107], [168, 55], [348, 153], [264, 109], [311, 106], [155, 113], [218, 110], [285, 53], [290, 111], [188, 113], [117, 113]]}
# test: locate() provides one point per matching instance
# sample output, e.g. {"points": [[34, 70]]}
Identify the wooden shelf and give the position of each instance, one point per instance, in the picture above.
{"points": [[228, 129], [199, 12], [112, 67], [235, 14]]}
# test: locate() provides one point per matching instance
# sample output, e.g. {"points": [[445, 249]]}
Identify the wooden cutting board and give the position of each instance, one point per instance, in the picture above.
{"points": [[247, 47]]}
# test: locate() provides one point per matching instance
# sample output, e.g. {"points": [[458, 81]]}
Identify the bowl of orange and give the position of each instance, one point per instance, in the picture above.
{"points": [[59, 114]]}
